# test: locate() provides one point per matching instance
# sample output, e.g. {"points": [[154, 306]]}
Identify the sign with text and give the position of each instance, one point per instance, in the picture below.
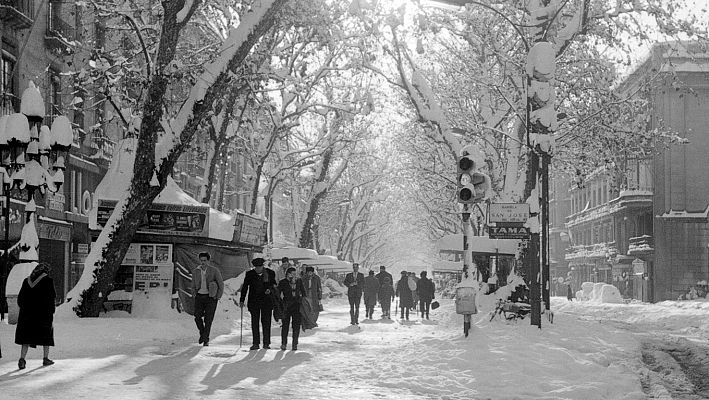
{"points": [[253, 231], [169, 219], [153, 277], [509, 232], [509, 212]]}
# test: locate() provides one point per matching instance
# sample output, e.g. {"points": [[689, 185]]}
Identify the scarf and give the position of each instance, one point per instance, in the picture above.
{"points": [[36, 281]]}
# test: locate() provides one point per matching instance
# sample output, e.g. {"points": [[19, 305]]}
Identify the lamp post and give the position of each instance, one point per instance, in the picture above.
{"points": [[32, 158]]}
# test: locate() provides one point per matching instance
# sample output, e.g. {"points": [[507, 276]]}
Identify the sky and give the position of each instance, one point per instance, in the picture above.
{"points": [[591, 351]]}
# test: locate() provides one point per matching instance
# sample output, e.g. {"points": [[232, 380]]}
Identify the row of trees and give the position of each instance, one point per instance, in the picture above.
{"points": [[355, 109]]}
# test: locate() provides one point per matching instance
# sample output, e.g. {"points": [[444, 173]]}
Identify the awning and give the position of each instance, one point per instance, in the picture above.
{"points": [[327, 263], [294, 254], [478, 244], [447, 266]]}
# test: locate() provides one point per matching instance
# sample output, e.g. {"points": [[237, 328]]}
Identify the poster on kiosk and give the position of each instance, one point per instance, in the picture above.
{"points": [[152, 278]]}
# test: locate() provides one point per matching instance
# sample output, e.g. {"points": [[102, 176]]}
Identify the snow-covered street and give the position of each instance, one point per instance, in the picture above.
{"points": [[592, 351]]}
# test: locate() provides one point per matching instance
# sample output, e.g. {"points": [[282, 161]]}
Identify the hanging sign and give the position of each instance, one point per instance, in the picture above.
{"points": [[169, 219], [509, 232], [509, 212]]}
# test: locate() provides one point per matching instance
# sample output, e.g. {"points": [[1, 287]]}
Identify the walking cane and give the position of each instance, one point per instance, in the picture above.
{"points": [[241, 330]]}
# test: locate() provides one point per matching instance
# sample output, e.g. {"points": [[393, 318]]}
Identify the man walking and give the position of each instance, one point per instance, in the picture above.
{"points": [[281, 270], [426, 292], [403, 292], [371, 288], [382, 277], [354, 282], [292, 293], [260, 283], [207, 289]]}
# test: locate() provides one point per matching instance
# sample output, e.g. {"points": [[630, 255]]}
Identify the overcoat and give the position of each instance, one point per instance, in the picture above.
{"points": [[36, 318], [406, 298]]}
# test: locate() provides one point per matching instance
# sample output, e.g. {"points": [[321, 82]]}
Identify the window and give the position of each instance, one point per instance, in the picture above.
{"points": [[7, 87], [55, 94]]}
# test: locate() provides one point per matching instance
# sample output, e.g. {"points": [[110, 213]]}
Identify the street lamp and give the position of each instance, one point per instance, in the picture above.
{"points": [[32, 157]]}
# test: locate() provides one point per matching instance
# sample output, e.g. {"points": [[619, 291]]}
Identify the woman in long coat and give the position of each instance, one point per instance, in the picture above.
{"points": [[35, 321], [406, 298]]}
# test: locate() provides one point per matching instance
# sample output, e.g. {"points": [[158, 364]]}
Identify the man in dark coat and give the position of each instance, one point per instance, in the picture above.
{"points": [[371, 288], [381, 277], [36, 318], [207, 289], [403, 292], [292, 292], [260, 284], [426, 292], [386, 296], [354, 281]]}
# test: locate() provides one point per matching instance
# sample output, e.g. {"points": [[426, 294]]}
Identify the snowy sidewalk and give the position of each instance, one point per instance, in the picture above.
{"points": [[574, 358]]}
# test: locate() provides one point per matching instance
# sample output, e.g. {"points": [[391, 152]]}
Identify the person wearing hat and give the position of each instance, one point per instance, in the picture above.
{"points": [[355, 283], [371, 288], [382, 276], [260, 284], [281, 270], [207, 289], [403, 292], [427, 292]]}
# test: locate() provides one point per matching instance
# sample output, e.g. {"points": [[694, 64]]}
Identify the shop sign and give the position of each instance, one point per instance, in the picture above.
{"points": [[509, 232], [638, 266], [56, 201], [53, 232], [509, 212], [169, 219]]}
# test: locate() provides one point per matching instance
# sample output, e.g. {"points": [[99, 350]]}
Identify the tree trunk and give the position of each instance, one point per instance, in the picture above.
{"points": [[306, 233], [124, 225]]}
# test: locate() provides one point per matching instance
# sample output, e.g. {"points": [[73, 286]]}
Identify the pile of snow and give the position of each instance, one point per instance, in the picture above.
{"points": [[333, 288], [599, 292], [586, 292], [17, 275], [609, 294]]}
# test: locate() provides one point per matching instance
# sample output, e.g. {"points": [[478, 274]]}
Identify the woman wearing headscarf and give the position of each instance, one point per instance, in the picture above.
{"points": [[36, 317]]}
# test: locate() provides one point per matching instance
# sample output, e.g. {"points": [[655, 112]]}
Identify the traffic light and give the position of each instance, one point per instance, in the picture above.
{"points": [[540, 68], [473, 186]]}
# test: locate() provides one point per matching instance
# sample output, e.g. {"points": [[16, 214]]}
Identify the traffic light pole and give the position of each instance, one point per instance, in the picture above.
{"points": [[467, 251], [546, 158]]}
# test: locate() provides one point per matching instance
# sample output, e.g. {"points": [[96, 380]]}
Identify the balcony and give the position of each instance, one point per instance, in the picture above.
{"points": [[17, 14], [598, 251], [641, 246], [60, 34]]}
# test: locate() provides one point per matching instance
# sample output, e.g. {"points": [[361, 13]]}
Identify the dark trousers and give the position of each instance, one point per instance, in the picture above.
{"points": [[425, 307], [204, 308], [262, 314], [386, 307], [289, 318], [404, 309], [354, 309]]}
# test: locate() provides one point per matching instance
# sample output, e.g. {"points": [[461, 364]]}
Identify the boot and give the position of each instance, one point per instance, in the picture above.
{"points": [[21, 363], [47, 362]]}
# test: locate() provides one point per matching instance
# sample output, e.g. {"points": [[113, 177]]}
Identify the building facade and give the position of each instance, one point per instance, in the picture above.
{"points": [[646, 231]]}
